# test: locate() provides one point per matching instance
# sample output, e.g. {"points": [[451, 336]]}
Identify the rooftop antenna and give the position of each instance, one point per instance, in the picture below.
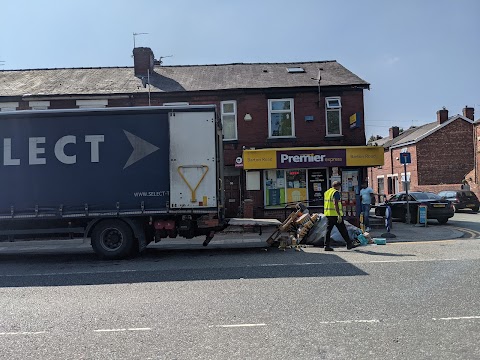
{"points": [[160, 62], [136, 34]]}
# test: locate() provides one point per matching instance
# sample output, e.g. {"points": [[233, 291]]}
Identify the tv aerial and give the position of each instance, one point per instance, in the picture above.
{"points": [[136, 34]]}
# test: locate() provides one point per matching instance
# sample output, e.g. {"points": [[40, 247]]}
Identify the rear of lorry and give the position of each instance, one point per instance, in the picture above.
{"points": [[122, 176]]}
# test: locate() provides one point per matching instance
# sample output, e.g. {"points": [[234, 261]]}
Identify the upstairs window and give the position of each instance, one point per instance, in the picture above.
{"points": [[87, 104], [333, 109], [280, 118], [8, 106], [229, 119]]}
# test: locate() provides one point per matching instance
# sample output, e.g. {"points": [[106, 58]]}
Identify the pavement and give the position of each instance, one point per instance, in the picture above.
{"points": [[236, 236]]}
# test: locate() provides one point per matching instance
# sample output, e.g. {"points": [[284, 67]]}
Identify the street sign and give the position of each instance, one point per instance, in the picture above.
{"points": [[405, 158], [422, 215]]}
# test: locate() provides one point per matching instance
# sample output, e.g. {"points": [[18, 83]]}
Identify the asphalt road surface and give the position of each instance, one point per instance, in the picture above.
{"points": [[399, 301]]}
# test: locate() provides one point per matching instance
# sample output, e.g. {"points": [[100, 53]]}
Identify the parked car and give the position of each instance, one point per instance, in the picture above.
{"points": [[461, 199], [437, 208]]}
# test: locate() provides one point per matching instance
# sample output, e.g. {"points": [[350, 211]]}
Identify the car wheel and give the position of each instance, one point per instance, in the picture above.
{"points": [[475, 209], [442, 220]]}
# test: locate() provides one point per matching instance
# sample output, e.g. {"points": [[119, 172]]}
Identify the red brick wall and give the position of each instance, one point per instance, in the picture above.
{"points": [[439, 161], [446, 156]]}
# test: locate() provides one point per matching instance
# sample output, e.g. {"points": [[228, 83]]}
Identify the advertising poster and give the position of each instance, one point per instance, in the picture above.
{"points": [[317, 185]]}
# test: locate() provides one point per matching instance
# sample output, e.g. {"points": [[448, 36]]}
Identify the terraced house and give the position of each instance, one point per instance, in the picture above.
{"points": [[442, 154], [289, 129]]}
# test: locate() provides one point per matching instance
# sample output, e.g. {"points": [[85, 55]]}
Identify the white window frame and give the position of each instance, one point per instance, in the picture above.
{"points": [[270, 112], [9, 106], [234, 102], [95, 104], [331, 106], [39, 105]]}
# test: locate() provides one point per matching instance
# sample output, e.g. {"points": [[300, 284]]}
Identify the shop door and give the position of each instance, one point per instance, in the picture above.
{"points": [[232, 196]]}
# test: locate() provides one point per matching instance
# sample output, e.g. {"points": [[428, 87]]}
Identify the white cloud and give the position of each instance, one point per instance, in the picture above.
{"points": [[391, 60]]}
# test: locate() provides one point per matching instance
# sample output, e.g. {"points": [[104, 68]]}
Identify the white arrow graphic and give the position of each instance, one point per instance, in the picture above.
{"points": [[141, 148]]}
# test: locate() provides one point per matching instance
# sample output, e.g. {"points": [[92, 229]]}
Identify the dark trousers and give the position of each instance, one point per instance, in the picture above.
{"points": [[332, 221]]}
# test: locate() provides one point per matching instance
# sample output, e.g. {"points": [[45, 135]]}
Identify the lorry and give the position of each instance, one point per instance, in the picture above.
{"points": [[123, 177]]}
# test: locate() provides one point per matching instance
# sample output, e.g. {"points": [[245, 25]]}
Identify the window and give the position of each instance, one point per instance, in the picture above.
{"points": [[285, 186], [176, 104], [8, 106], [392, 184], [293, 70], [39, 105], [380, 185], [86, 104], [280, 118], [229, 119], [333, 109]]}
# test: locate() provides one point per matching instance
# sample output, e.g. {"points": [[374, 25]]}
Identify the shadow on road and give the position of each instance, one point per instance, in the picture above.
{"points": [[165, 265]]}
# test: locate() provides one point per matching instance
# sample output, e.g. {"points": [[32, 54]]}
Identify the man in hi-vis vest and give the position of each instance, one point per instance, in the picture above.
{"points": [[334, 213]]}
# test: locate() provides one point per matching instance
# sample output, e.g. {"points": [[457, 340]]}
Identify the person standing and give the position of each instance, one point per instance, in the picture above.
{"points": [[334, 213], [366, 194]]}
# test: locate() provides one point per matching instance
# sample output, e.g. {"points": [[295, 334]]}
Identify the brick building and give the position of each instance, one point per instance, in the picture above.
{"points": [[312, 107], [473, 177], [442, 154]]}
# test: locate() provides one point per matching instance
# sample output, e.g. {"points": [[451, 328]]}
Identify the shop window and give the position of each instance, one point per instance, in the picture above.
{"points": [[285, 186], [229, 119], [280, 118], [334, 116]]}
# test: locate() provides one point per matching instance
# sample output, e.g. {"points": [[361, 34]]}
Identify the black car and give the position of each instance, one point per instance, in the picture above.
{"points": [[461, 199], [437, 208]]}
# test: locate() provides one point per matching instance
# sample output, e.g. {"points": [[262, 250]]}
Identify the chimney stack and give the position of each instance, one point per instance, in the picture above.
{"points": [[442, 115], [394, 132], [468, 112], [143, 61]]}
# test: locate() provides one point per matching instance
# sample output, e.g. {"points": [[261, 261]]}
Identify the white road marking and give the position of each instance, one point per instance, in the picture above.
{"points": [[238, 325], [23, 333], [71, 273], [349, 321], [123, 329], [457, 318]]}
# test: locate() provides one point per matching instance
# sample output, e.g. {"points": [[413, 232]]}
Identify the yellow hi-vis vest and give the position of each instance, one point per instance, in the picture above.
{"points": [[329, 204]]}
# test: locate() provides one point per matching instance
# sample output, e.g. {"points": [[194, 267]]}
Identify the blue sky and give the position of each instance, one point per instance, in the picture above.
{"points": [[418, 55]]}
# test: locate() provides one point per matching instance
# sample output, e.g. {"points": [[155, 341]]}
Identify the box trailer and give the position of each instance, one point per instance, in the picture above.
{"points": [[122, 176]]}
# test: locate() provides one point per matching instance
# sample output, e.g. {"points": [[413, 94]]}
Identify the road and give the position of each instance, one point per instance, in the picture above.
{"points": [[466, 219], [399, 301]]}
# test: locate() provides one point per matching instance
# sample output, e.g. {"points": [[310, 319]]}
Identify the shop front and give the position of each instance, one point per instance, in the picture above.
{"points": [[277, 179]]}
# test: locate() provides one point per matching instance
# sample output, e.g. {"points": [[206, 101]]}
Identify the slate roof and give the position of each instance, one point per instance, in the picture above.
{"points": [[121, 80], [415, 134]]}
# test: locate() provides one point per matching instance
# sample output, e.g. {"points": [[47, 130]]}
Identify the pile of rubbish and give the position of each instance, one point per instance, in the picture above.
{"points": [[304, 228]]}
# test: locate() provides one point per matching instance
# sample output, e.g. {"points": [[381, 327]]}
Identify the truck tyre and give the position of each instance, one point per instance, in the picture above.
{"points": [[112, 239]]}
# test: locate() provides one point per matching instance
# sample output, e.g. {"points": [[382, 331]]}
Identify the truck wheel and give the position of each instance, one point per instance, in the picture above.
{"points": [[112, 239]]}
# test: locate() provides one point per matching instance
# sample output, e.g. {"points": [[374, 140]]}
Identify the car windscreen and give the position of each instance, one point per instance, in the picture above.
{"points": [[425, 196]]}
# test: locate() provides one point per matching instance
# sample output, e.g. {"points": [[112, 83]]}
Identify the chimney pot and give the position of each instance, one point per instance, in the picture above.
{"points": [[442, 115]]}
